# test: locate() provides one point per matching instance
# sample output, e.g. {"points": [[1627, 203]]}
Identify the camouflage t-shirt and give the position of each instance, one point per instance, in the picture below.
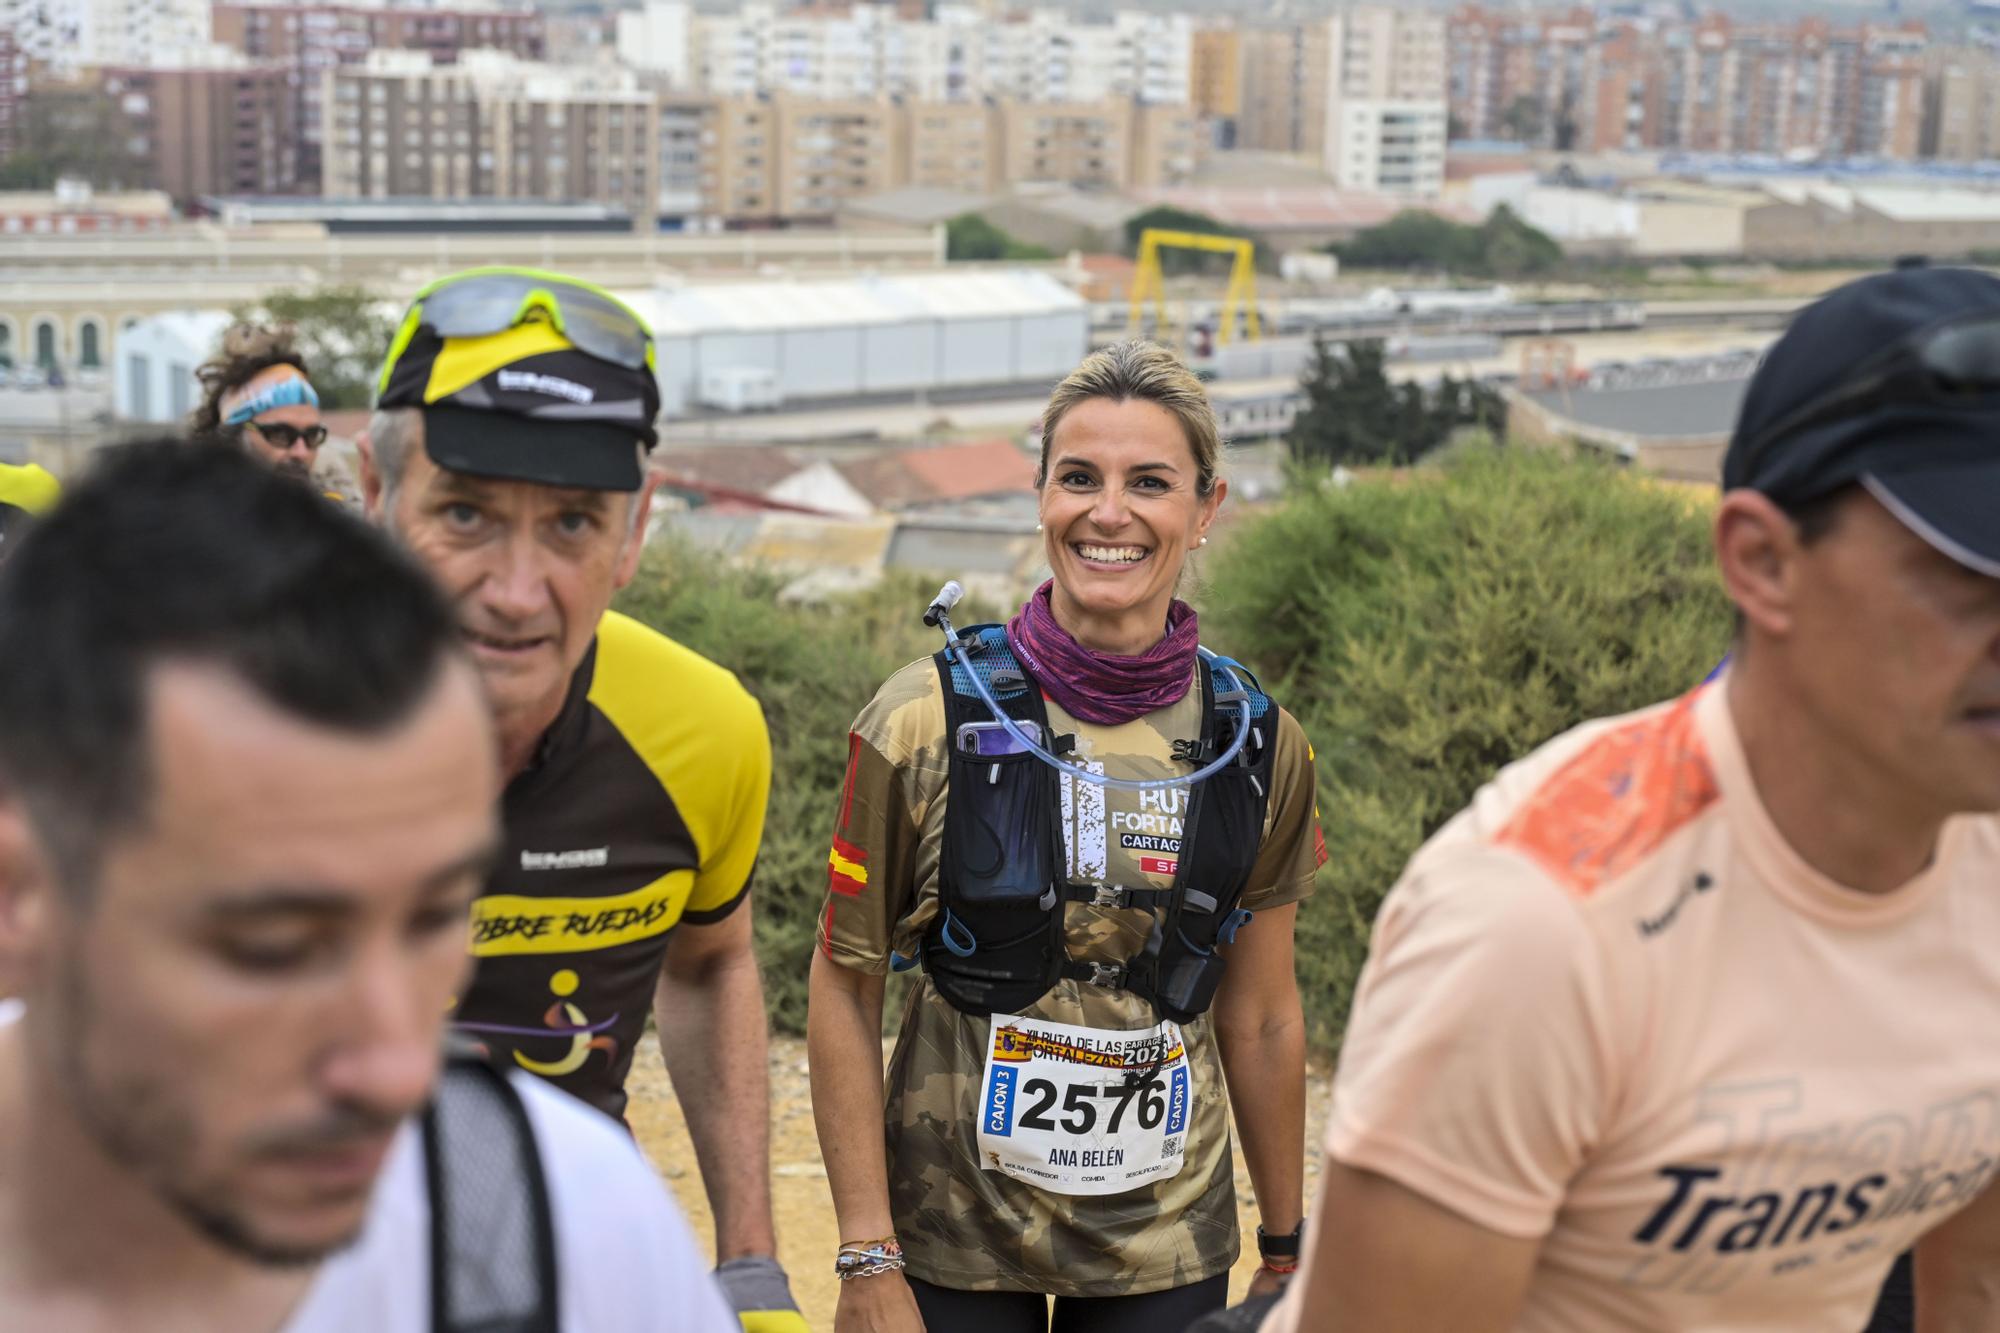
{"points": [[978, 1230]]}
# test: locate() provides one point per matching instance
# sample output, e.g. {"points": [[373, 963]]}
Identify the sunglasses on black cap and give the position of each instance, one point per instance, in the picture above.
{"points": [[1952, 364], [489, 301], [282, 435]]}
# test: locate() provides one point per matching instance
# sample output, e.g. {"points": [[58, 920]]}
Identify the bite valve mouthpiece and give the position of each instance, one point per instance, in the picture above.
{"points": [[942, 604]]}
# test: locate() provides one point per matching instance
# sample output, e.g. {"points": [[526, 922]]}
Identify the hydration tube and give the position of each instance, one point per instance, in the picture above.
{"points": [[937, 615]]}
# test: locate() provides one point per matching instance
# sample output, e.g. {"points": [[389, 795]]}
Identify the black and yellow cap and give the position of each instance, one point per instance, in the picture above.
{"points": [[528, 376], [25, 491]]}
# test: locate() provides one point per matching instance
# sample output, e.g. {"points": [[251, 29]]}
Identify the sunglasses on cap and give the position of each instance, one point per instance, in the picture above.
{"points": [[493, 300], [283, 436], [1952, 364]]}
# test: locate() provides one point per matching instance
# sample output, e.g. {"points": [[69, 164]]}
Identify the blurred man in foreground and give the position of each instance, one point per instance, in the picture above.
{"points": [[246, 797], [1686, 1022]]}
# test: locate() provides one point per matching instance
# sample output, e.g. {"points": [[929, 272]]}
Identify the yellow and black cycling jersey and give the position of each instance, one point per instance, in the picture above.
{"points": [[642, 809]]}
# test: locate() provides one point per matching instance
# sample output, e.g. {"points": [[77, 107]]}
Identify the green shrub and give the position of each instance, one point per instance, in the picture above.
{"points": [[971, 236], [812, 668], [1428, 629]]}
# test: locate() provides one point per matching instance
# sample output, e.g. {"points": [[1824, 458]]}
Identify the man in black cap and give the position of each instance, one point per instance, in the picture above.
{"points": [[1685, 1022], [507, 452]]}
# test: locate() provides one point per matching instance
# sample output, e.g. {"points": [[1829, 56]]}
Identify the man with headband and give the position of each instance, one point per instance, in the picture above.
{"points": [[1687, 1021], [257, 393]]}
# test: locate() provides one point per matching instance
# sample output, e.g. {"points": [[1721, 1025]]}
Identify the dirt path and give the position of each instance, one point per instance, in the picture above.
{"points": [[807, 1235]]}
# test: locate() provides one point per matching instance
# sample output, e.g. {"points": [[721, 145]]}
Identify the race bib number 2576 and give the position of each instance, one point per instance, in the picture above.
{"points": [[1078, 1110]]}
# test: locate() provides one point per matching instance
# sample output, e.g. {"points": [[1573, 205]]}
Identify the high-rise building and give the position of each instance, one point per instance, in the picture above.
{"points": [[1215, 79], [955, 146], [659, 39], [313, 38], [1712, 84], [71, 35], [1386, 113], [209, 130], [1962, 96], [961, 54], [489, 127], [13, 90], [1078, 143], [832, 151], [1285, 80]]}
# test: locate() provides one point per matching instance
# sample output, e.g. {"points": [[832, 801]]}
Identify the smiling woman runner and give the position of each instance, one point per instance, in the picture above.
{"points": [[1097, 962]]}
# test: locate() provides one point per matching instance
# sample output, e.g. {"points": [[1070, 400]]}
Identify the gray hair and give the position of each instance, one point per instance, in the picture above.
{"points": [[391, 432]]}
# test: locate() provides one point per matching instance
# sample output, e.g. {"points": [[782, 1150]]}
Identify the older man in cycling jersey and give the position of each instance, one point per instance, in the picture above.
{"points": [[508, 453], [1685, 1023]]}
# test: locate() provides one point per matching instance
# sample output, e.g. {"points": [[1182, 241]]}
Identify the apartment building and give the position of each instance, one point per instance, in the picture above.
{"points": [[955, 146], [782, 160], [832, 151], [1285, 83], [1080, 143], [13, 90], [67, 36], [961, 54], [1962, 105], [1566, 79], [1518, 75], [1166, 146], [209, 130], [488, 127], [1386, 109], [741, 179], [1215, 79], [313, 38], [658, 38]]}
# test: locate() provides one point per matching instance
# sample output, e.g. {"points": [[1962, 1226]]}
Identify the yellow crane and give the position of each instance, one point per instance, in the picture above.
{"points": [[1149, 283]]}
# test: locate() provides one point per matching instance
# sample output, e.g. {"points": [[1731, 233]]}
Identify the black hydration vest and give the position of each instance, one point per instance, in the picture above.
{"points": [[997, 944]]}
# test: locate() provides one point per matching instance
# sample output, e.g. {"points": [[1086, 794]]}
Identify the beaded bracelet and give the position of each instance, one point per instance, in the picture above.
{"points": [[868, 1258]]}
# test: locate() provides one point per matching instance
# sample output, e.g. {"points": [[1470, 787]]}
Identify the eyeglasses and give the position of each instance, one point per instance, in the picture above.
{"points": [[280, 435], [493, 300], [1954, 364]]}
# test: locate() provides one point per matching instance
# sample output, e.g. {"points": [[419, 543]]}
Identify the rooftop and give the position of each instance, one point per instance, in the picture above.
{"points": [[914, 206], [738, 467], [1276, 209], [941, 474], [881, 299], [1697, 409]]}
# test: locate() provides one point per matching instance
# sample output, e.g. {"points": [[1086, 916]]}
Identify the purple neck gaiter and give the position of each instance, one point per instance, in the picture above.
{"points": [[1103, 687]]}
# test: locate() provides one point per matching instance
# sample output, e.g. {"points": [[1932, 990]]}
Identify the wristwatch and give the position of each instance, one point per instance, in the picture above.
{"points": [[1280, 1251]]}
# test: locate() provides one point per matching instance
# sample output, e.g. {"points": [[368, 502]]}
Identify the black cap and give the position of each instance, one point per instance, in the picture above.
{"points": [[1935, 465], [527, 405]]}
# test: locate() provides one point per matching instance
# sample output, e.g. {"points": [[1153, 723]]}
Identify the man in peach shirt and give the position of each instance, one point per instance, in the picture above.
{"points": [[1685, 1023]]}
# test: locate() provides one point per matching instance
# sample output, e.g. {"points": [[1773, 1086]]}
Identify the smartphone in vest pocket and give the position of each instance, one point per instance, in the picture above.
{"points": [[991, 740]]}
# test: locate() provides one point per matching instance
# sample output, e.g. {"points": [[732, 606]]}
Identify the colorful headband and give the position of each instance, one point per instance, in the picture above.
{"points": [[245, 404]]}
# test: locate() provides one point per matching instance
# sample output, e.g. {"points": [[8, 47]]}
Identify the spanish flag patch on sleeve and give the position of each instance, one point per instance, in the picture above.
{"points": [[847, 869]]}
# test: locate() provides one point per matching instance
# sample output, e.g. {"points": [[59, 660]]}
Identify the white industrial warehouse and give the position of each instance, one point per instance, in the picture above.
{"points": [[843, 339], [754, 344]]}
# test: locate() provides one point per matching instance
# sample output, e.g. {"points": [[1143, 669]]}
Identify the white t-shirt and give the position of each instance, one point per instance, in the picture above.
{"points": [[625, 1259]]}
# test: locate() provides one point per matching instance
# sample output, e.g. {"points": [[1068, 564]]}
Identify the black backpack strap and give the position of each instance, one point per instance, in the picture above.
{"points": [[493, 1254]]}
